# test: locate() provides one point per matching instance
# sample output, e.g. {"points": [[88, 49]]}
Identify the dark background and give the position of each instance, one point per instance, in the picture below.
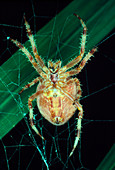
{"points": [[97, 132]]}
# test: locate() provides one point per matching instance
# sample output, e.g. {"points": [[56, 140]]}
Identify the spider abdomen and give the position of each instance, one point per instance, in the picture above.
{"points": [[55, 106]]}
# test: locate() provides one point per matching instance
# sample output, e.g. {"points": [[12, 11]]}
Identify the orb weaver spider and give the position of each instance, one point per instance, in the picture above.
{"points": [[57, 93]]}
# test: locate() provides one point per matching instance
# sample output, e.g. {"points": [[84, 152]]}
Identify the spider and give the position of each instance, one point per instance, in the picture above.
{"points": [[58, 94]]}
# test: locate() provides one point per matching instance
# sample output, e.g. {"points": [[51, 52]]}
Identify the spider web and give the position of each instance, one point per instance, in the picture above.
{"points": [[21, 148]]}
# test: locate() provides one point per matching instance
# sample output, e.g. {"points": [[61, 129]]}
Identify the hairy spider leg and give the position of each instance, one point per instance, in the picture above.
{"points": [[80, 116], [31, 59], [82, 50], [83, 40], [82, 64], [31, 84], [31, 98], [34, 48]]}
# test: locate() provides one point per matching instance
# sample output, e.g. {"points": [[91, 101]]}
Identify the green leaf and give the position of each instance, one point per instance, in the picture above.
{"points": [[109, 160]]}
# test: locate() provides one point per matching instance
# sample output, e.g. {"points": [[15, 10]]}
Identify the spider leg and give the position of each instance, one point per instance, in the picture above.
{"points": [[82, 50], [82, 64], [83, 40], [31, 84], [80, 115], [31, 38], [31, 98], [31, 59]]}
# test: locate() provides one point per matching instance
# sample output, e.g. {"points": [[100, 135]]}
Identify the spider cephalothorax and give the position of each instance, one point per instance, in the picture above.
{"points": [[57, 93]]}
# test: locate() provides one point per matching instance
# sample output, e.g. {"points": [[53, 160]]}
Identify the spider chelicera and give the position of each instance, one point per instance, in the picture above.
{"points": [[57, 93]]}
